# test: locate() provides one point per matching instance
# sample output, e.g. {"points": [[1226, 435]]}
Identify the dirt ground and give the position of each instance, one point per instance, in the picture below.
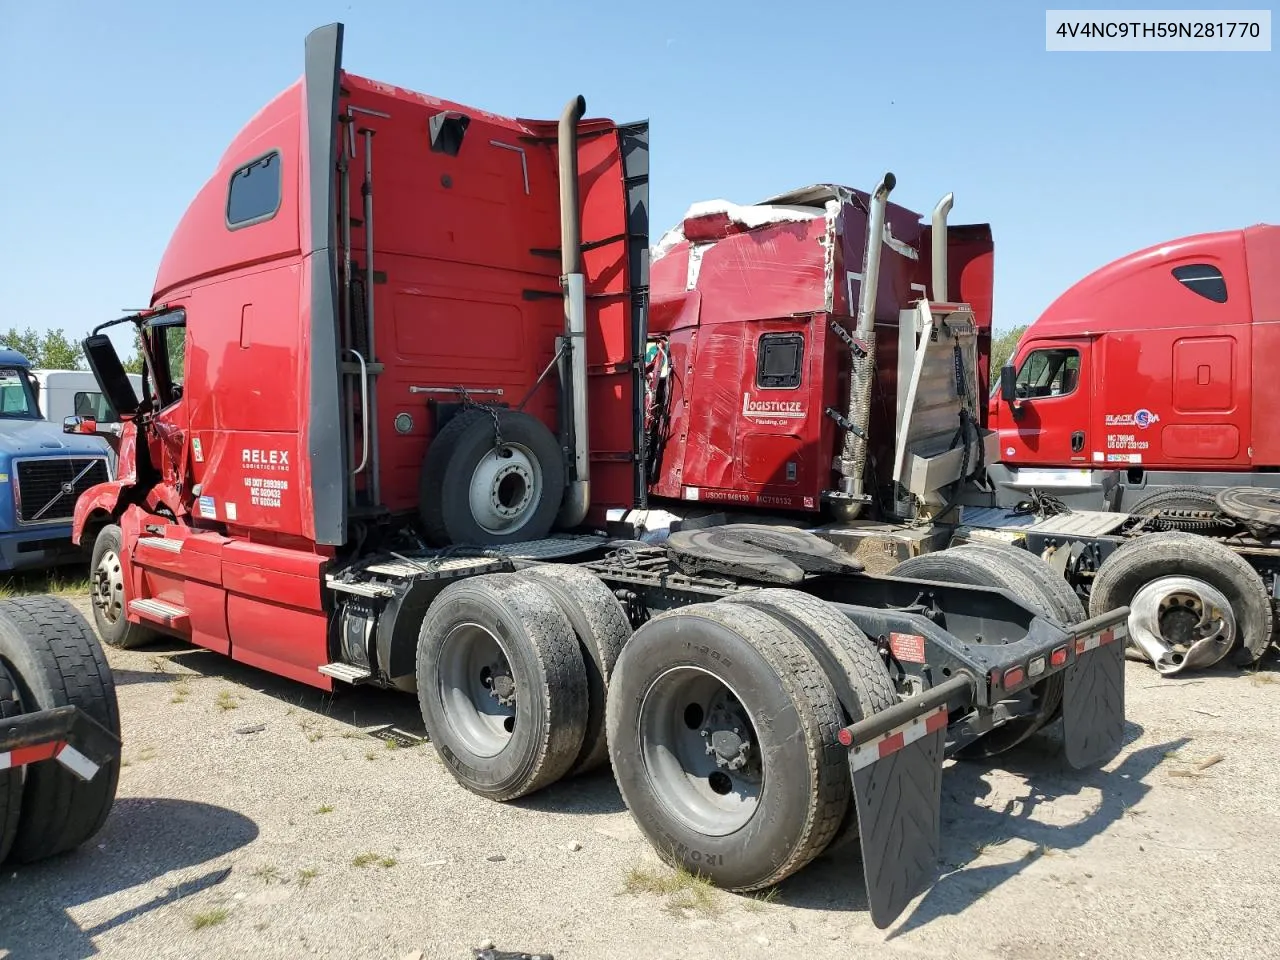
{"points": [[259, 818]]}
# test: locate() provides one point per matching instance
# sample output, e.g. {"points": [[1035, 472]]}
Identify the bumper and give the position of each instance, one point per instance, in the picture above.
{"points": [[66, 734], [39, 548], [896, 755]]}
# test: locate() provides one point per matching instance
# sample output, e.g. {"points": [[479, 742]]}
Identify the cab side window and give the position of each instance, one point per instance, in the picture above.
{"points": [[1049, 373]]}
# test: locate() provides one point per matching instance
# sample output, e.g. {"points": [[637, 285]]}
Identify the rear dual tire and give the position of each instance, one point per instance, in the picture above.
{"points": [[722, 734], [1028, 579], [720, 719]]}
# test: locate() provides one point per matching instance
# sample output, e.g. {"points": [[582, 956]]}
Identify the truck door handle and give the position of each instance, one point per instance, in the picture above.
{"points": [[1077, 441]]}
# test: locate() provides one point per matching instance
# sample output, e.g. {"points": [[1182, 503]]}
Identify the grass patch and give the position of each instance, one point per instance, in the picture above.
{"points": [[324, 808], [40, 581], [268, 873], [227, 700], [210, 918], [181, 690], [368, 858], [306, 875], [310, 728], [142, 756], [371, 755], [683, 890]]}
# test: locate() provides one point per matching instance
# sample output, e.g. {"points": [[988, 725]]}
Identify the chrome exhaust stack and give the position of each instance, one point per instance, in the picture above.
{"points": [[940, 212], [853, 455], [577, 498]]}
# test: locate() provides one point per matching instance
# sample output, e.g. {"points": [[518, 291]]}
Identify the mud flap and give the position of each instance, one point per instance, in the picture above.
{"points": [[1093, 699], [898, 795]]}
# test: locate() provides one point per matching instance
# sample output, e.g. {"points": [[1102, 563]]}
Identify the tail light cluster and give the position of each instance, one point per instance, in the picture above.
{"points": [[1010, 678]]}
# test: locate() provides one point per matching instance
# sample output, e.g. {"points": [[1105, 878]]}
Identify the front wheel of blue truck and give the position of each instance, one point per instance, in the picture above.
{"points": [[107, 591], [63, 727]]}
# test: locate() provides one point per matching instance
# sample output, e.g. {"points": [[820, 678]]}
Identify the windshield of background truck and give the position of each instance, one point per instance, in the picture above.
{"points": [[16, 399]]}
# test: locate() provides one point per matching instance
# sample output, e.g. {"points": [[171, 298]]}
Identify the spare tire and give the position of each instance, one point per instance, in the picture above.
{"points": [[475, 490], [1174, 553]]}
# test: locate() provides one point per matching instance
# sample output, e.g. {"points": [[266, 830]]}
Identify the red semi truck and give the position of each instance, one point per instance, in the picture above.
{"points": [[1136, 414], [350, 452], [1152, 373]]}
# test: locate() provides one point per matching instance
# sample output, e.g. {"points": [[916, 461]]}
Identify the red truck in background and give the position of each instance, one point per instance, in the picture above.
{"points": [[1137, 416], [350, 452], [1151, 374]]}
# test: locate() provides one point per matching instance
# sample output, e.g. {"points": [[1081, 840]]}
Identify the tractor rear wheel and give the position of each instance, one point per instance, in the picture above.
{"points": [[10, 780], [846, 655], [722, 734], [982, 566], [491, 477], [602, 628], [53, 660], [501, 685]]}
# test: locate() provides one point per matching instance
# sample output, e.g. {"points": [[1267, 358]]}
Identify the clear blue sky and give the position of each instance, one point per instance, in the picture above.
{"points": [[118, 112]]}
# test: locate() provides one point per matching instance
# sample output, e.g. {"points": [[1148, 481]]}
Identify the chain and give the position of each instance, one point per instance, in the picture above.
{"points": [[470, 402]]}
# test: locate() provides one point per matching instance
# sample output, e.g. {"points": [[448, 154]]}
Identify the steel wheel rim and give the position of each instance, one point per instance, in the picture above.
{"points": [[479, 706], [1188, 616], [108, 587], [506, 487], [680, 714]]}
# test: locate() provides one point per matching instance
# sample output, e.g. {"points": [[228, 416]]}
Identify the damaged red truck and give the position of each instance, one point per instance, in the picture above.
{"points": [[395, 382]]}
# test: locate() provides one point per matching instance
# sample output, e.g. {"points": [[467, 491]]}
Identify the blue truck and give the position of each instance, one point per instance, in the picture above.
{"points": [[42, 473]]}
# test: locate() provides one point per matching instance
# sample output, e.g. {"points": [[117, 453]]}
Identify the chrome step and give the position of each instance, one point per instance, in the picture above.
{"points": [[346, 672], [161, 543], [157, 610]]}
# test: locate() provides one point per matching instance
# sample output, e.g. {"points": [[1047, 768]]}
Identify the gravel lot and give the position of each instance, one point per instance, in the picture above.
{"points": [[312, 837]]}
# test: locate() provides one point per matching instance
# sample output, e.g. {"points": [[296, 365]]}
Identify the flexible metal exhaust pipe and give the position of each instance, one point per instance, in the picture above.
{"points": [[940, 247], [577, 499], [853, 455]]}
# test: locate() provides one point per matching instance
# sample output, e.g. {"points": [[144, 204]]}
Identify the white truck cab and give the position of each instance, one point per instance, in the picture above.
{"points": [[74, 393]]}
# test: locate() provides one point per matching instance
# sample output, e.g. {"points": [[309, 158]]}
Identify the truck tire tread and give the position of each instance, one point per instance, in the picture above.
{"points": [[1175, 498], [1170, 553], [846, 655], [780, 845], [602, 628], [1067, 605], [10, 780], [541, 640], [58, 662]]}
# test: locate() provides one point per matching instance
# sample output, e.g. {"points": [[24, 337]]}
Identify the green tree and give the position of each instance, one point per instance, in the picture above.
{"points": [[50, 350], [134, 362], [1002, 347]]}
